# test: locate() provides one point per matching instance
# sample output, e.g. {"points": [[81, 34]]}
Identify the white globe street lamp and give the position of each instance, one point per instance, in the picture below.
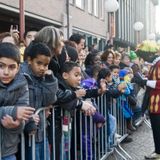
{"points": [[111, 6], [152, 37], [138, 26]]}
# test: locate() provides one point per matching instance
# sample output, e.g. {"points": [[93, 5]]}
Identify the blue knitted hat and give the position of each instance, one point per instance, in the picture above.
{"points": [[123, 73]]}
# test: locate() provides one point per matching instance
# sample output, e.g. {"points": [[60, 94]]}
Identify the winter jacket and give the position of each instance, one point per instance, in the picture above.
{"points": [[42, 93], [71, 102], [12, 96], [54, 66]]}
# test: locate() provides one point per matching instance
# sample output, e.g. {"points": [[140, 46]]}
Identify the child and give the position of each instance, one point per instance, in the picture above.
{"points": [[117, 58], [14, 100], [124, 78], [70, 80], [90, 85], [115, 74], [42, 89], [132, 98], [105, 73]]}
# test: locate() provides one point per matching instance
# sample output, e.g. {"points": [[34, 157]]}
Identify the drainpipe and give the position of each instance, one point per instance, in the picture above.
{"points": [[22, 19]]}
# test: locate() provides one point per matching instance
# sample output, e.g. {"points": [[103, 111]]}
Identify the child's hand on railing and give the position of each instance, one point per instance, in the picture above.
{"points": [[88, 108], [24, 113], [80, 93], [8, 122], [122, 87], [36, 118], [47, 112]]}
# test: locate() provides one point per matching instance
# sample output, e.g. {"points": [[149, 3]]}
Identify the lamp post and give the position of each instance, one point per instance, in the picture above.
{"points": [[138, 26], [111, 6]]}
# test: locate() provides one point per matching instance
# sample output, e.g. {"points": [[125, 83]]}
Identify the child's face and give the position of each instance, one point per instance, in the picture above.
{"points": [[115, 72], [73, 78], [117, 60], [8, 70], [108, 78], [126, 60], [82, 56], [39, 65], [130, 75]]}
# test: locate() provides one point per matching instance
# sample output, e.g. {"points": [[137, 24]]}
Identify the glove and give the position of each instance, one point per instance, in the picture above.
{"points": [[139, 80], [143, 82]]}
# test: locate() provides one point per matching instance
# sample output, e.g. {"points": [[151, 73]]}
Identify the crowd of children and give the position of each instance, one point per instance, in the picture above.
{"points": [[62, 74]]}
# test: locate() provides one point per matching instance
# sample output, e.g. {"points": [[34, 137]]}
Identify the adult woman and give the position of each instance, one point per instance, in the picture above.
{"points": [[53, 37], [107, 57]]}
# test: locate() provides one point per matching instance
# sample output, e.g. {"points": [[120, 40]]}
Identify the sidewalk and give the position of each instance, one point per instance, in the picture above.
{"points": [[142, 144]]}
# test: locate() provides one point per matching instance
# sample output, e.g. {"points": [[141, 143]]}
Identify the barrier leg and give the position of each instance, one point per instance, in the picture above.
{"points": [[120, 147], [116, 150]]}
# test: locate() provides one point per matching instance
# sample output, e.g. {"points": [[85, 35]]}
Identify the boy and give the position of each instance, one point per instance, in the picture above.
{"points": [[127, 111], [42, 89], [112, 92], [115, 74], [14, 99], [71, 80]]}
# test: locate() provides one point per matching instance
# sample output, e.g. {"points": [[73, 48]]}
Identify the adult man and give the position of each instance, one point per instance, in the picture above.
{"points": [[79, 40], [29, 36]]}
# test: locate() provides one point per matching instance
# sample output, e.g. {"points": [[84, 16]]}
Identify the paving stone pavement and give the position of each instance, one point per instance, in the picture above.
{"points": [[142, 144]]}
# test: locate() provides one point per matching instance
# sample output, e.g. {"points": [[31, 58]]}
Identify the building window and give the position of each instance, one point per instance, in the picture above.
{"points": [[101, 9], [80, 3], [95, 7], [90, 6]]}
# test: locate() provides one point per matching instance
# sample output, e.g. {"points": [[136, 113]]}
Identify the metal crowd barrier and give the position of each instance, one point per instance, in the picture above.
{"points": [[81, 139]]}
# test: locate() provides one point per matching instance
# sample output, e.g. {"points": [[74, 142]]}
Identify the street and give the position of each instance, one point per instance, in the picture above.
{"points": [[142, 144]]}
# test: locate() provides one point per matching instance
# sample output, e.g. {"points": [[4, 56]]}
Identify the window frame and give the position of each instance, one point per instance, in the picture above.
{"points": [[95, 8], [101, 9], [90, 9], [79, 4]]}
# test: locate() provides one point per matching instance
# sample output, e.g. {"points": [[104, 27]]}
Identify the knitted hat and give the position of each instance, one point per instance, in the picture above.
{"points": [[123, 73], [133, 55], [88, 83]]}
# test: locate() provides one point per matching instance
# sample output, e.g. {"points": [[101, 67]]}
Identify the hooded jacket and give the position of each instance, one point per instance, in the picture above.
{"points": [[42, 93], [12, 96]]}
